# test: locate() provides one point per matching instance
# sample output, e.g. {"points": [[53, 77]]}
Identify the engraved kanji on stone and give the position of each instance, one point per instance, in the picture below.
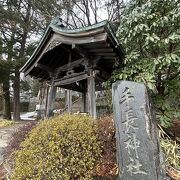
{"points": [[129, 120], [138, 153], [134, 167], [132, 144], [126, 96]]}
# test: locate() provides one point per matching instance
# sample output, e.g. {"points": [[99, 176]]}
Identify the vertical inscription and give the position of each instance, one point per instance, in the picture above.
{"points": [[132, 143], [138, 151]]}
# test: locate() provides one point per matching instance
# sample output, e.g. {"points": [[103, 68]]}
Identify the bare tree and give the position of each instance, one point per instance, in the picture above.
{"points": [[88, 12], [114, 9]]}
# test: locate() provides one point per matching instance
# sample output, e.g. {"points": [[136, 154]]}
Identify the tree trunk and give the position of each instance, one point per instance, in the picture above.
{"points": [[16, 85], [6, 99], [16, 103]]}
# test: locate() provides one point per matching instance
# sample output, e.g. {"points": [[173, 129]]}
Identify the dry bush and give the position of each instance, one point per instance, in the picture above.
{"points": [[171, 150], [107, 166]]}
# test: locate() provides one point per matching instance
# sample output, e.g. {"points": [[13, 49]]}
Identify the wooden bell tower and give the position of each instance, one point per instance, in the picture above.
{"points": [[79, 60]]}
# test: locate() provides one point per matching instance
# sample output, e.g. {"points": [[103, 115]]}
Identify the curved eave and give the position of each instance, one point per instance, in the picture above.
{"points": [[38, 49], [79, 31], [89, 31], [86, 31], [114, 40]]}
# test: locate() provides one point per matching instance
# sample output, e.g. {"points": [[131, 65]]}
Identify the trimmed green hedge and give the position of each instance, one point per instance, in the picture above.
{"points": [[65, 147]]}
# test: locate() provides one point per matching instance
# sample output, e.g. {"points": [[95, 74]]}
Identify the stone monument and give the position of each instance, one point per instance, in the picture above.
{"points": [[138, 150]]}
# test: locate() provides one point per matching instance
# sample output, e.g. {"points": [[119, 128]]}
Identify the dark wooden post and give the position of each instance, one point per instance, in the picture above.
{"points": [[69, 101], [83, 103], [91, 94], [51, 98]]}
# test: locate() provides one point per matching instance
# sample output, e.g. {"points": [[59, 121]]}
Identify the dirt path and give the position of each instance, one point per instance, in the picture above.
{"points": [[5, 137]]}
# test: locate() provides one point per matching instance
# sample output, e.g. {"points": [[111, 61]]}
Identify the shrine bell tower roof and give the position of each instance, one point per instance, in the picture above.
{"points": [[61, 47]]}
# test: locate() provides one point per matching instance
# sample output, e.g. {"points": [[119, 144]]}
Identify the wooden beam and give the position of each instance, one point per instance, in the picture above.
{"points": [[80, 51], [94, 62], [100, 50], [96, 45], [44, 67], [81, 76], [53, 45], [71, 65], [113, 58], [104, 54], [72, 87]]}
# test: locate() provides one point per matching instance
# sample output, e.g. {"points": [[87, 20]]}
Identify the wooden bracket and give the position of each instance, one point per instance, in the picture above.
{"points": [[80, 51], [44, 67], [73, 64]]}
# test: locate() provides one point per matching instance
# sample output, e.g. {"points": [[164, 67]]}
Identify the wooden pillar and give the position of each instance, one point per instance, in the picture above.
{"points": [[69, 101], [91, 94], [51, 98], [83, 102]]}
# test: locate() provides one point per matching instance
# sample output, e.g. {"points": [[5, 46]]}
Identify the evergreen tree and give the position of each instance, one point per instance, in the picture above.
{"points": [[21, 22], [4, 80], [17, 25], [150, 33]]}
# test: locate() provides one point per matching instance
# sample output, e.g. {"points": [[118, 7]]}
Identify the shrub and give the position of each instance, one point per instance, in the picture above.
{"points": [[172, 152], [107, 166], [65, 147], [171, 149], [4, 123]]}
